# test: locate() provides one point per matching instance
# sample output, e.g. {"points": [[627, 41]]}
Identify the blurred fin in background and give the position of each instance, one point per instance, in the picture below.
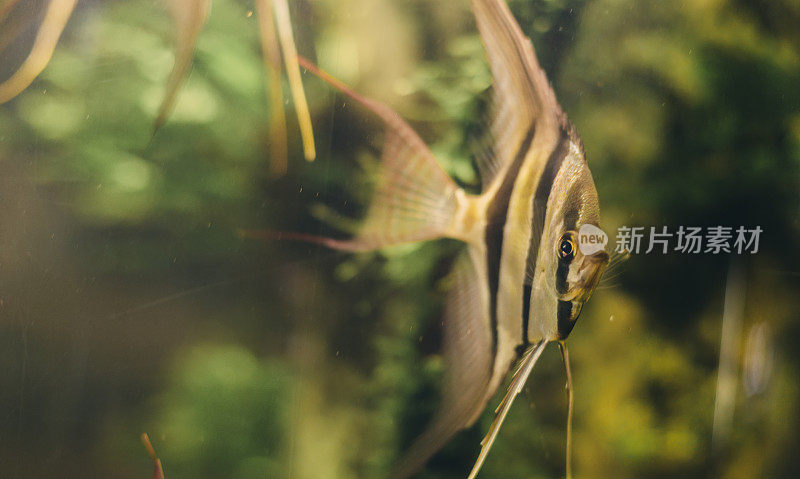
{"points": [[189, 17], [158, 471], [728, 372], [272, 63], [284, 23], [758, 358], [55, 19]]}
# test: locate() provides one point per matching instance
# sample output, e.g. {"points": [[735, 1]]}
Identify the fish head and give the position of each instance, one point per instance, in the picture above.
{"points": [[572, 255], [577, 276]]}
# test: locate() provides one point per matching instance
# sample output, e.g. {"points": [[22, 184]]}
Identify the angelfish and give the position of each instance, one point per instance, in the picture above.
{"points": [[523, 279]]}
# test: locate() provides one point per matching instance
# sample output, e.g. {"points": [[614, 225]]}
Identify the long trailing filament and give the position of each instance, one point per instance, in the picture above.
{"points": [[272, 64], [562, 345], [284, 23]]}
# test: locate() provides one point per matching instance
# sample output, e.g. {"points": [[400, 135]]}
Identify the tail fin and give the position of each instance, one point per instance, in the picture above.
{"points": [[414, 198]]}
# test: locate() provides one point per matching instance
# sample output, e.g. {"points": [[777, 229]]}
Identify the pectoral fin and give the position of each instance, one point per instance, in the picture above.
{"points": [[517, 383]]}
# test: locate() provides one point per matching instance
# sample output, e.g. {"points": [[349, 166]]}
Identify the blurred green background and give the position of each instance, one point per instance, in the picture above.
{"points": [[128, 303]]}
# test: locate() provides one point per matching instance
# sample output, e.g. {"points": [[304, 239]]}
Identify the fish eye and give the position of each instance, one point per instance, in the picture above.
{"points": [[566, 248]]}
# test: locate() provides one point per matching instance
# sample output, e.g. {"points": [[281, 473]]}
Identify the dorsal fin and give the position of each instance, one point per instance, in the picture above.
{"points": [[522, 97]]}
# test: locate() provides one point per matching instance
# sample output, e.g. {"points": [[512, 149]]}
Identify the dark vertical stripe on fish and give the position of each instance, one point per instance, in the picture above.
{"points": [[539, 212], [526, 307], [562, 270], [497, 214], [565, 322]]}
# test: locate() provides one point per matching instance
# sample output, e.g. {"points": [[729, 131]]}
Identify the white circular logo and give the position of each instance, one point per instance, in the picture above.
{"points": [[591, 239]]}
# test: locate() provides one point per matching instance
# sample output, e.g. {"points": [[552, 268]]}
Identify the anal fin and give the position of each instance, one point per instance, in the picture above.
{"points": [[468, 361]]}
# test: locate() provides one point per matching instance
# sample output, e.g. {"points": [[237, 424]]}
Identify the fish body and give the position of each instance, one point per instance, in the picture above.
{"points": [[523, 281]]}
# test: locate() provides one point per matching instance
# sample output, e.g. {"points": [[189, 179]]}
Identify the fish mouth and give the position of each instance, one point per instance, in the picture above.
{"points": [[594, 265]]}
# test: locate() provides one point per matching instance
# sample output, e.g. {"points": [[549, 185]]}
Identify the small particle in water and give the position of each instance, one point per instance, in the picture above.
{"points": [[249, 13], [611, 318]]}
